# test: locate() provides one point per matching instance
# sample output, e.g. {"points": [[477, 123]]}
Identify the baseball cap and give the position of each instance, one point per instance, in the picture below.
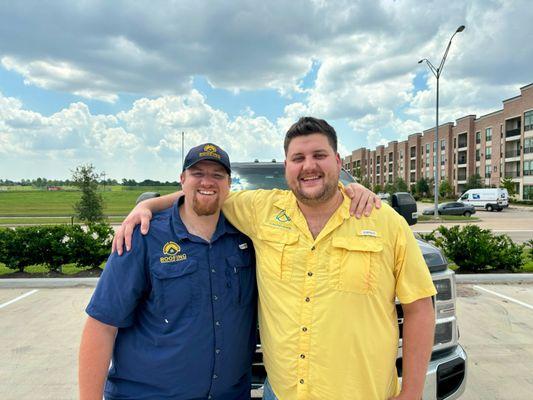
{"points": [[207, 152]]}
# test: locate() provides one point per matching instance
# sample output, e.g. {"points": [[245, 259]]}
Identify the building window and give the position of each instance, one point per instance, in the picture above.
{"points": [[528, 120], [454, 142], [427, 148], [528, 192], [477, 170], [487, 171], [401, 155], [528, 145], [413, 152], [478, 156], [442, 160], [413, 164], [478, 137], [442, 144], [528, 167], [488, 153], [488, 134]]}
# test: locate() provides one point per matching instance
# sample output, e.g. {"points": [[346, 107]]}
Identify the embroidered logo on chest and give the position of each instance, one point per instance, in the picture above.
{"points": [[171, 251]]}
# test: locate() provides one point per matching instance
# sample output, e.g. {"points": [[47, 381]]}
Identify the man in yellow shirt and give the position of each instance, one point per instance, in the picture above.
{"points": [[328, 281]]}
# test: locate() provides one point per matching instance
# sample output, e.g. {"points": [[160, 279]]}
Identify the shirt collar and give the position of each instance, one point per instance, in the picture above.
{"points": [[289, 203], [223, 225]]}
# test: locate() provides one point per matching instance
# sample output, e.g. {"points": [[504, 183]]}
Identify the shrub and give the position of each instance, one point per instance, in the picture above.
{"points": [[477, 250], [55, 245]]}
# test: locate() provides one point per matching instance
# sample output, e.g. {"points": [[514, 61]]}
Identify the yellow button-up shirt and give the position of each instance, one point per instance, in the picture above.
{"points": [[327, 312]]}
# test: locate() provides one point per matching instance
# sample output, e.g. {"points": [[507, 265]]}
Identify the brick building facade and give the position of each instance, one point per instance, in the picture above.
{"points": [[496, 145]]}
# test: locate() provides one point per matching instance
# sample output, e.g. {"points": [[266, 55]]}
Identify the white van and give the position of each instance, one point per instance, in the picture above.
{"points": [[489, 199]]}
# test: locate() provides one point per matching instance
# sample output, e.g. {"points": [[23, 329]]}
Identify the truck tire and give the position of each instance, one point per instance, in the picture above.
{"points": [[467, 214], [489, 207]]}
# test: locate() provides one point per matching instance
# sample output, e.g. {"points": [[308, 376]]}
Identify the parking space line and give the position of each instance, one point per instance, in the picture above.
{"points": [[504, 297], [19, 298]]}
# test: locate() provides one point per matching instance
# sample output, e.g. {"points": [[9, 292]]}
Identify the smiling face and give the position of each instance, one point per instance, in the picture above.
{"points": [[206, 184], [312, 168]]}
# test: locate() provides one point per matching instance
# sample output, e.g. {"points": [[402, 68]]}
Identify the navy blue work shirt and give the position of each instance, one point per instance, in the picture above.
{"points": [[186, 313]]}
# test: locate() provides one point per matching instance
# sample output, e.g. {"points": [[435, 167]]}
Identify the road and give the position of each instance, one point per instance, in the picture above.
{"points": [[517, 222], [40, 333]]}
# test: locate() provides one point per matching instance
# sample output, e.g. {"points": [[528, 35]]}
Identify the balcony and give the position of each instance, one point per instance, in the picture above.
{"points": [[512, 132], [512, 174], [512, 153]]}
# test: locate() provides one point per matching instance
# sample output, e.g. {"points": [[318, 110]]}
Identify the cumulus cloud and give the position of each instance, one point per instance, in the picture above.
{"points": [[365, 54], [142, 142]]}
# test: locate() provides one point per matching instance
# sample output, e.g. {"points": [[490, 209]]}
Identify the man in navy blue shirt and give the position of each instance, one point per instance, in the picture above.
{"points": [[177, 314]]}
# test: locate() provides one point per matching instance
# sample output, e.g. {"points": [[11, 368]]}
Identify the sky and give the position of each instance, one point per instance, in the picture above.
{"points": [[115, 83]]}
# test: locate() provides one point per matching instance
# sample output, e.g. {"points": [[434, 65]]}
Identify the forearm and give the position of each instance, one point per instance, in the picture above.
{"points": [[95, 355], [418, 334], [161, 203]]}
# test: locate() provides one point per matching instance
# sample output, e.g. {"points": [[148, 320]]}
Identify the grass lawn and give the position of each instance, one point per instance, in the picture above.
{"points": [[40, 270], [118, 200]]}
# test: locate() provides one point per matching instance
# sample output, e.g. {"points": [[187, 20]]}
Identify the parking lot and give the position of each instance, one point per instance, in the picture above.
{"points": [[40, 333]]}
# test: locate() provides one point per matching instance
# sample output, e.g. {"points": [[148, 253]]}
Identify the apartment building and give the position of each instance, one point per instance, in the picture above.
{"points": [[496, 145]]}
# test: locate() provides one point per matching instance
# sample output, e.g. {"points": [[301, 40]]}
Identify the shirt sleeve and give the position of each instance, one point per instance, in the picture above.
{"points": [[239, 209], [413, 279], [121, 285]]}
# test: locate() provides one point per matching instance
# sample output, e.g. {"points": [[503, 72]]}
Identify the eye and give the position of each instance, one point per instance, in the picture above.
{"points": [[297, 159], [321, 156]]}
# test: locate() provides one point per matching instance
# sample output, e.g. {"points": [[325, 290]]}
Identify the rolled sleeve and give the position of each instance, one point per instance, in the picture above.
{"points": [[121, 285]]}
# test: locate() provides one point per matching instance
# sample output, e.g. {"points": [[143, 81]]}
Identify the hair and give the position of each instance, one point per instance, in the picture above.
{"points": [[308, 126]]}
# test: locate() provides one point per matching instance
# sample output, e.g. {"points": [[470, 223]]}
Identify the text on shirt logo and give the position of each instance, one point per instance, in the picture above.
{"points": [[171, 250]]}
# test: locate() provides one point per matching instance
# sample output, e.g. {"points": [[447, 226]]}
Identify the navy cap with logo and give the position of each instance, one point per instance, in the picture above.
{"points": [[207, 152]]}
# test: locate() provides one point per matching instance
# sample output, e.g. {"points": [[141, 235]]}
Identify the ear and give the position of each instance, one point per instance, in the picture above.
{"points": [[338, 159], [182, 178]]}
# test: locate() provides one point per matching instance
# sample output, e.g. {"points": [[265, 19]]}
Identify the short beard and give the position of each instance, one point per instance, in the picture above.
{"points": [[204, 209], [326, 194]]}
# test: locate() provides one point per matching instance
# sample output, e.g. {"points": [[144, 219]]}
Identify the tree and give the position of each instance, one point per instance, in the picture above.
{"points": [[377, 189], [473, 182], [390, 188], [422, 187], [90, 208], [507, 183], [445, 189], [401, 186]]}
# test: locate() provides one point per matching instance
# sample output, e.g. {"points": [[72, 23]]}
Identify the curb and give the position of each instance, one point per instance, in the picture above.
{"points": [[91, 282], [494, 278]]}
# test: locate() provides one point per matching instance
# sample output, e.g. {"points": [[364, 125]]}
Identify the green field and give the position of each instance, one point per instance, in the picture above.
{"points": [[118, 200]]}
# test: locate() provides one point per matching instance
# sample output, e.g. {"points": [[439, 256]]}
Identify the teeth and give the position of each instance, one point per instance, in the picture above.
{"points": [[206, 192], [309, 178]]}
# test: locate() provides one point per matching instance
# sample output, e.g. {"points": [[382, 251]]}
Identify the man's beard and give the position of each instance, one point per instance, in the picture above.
{"points": [[205, 208], [328, 191]]}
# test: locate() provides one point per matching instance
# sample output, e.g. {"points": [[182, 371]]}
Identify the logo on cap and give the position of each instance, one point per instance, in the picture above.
{"points": [[209, 151]]}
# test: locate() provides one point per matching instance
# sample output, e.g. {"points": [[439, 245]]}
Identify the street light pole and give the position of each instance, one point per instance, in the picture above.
{"points": [[437, 72]]}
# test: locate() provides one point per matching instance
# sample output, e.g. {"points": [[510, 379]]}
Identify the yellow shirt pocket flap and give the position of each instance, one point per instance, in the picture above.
{"points": [[359, 243], [277, 235]]}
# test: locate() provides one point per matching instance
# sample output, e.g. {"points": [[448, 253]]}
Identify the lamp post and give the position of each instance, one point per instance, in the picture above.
{"points": [[437, 72]]}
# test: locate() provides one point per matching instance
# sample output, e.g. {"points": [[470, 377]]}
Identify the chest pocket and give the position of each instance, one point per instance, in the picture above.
{"points": [[176, 290], [276, 253], [354, 263], [240, 278]]}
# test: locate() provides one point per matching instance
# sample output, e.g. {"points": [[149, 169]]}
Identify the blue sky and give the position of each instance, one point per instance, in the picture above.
{"points": [[114, 84]]}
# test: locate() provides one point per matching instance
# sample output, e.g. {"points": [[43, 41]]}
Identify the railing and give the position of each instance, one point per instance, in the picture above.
{"points": [[512, 132], [512, 174], [512, 153]]}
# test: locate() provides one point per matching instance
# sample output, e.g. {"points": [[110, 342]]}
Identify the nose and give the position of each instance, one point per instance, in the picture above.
{"points": [[309, 163]]}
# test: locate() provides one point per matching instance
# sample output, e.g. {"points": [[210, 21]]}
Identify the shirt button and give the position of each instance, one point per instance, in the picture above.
{"points": [[217, 351], [307, 299], [215, 376], [213, 270], [312, 248], [215, 298], [209, 397], [217, 323], [302, 381], [302, 356], [304, 329], [309, 273]]}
